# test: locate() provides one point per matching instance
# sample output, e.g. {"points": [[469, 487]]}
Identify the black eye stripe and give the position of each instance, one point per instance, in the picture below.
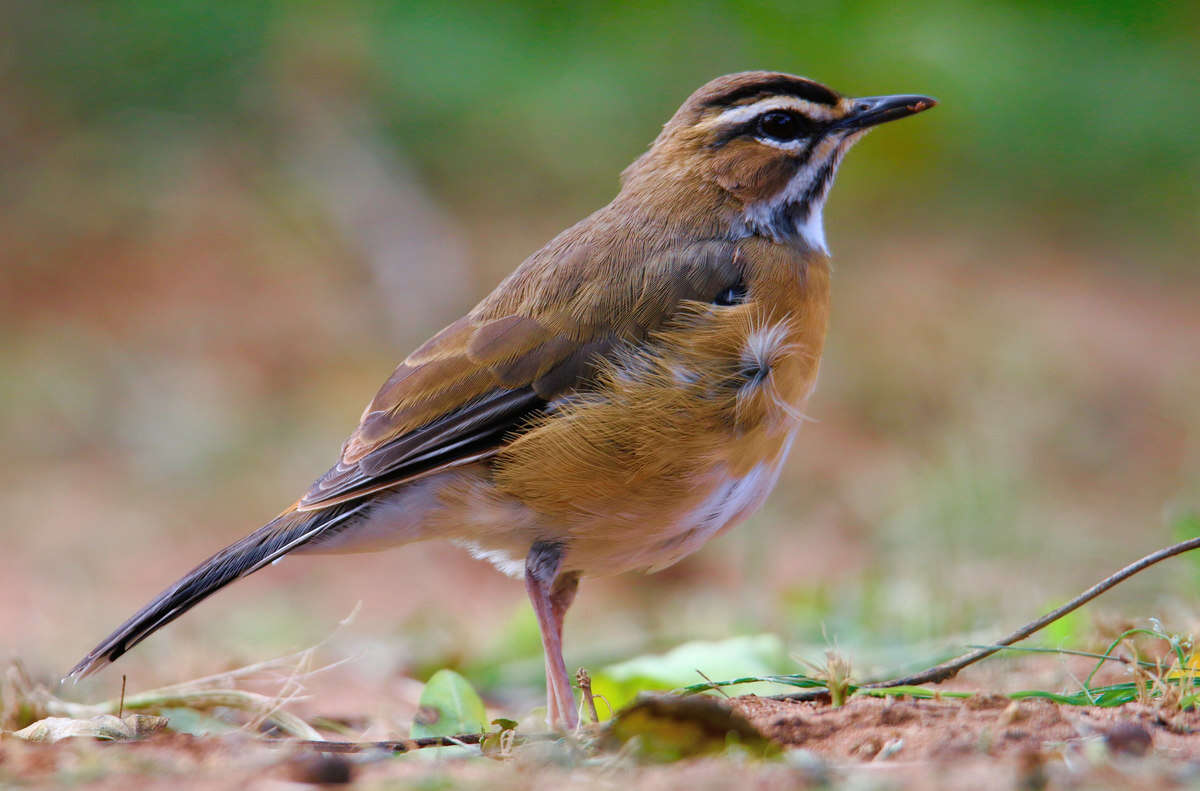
{"points": [[753, 128]]}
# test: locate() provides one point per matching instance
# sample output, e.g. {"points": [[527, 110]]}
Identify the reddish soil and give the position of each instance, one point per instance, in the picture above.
{"points": [[985, 742], [988, 741], [873, 728]]}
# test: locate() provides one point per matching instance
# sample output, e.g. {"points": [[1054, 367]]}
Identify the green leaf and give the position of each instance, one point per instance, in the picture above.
{"points": [[197, 723], [499, 743], [665, 728], [449, 706], [737, 657]]}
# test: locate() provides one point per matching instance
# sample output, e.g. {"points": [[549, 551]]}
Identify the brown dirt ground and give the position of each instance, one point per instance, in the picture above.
{"points": [[984, 742], [872, 728], [988, 740]]}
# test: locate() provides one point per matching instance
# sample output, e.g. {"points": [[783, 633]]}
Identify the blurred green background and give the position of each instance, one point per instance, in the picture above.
{"points": [[221, 224]]}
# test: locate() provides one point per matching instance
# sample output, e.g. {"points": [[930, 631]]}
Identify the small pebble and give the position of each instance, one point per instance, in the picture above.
{"points": [[321, 770], [1130, 738]]}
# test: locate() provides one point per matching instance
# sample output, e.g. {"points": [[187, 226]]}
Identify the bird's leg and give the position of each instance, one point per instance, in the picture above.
{"points": [[561, 596], [551, 594]]}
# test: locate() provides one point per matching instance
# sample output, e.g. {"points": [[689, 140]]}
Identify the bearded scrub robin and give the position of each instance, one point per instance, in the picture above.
{"points": [[630, 391]]}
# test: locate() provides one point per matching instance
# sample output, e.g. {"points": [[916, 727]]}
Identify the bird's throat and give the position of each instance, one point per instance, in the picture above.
{"points": [[787, 222], [796, 214]]}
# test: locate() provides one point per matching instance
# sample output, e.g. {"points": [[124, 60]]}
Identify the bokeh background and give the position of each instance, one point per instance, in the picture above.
{"points": [[222, 224]]}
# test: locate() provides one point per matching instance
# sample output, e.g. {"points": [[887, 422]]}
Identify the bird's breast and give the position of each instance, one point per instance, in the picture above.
{"points": [[683, 435]]}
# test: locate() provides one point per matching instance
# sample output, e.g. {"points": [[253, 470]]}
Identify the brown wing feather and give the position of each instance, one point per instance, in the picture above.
{"points": [[460, 395]]}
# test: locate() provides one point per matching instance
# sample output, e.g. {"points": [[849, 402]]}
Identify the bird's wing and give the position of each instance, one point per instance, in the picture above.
{"points": [[474, 385]]}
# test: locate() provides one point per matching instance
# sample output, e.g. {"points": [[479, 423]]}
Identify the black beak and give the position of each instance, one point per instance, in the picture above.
{"points": [[872, 110]]}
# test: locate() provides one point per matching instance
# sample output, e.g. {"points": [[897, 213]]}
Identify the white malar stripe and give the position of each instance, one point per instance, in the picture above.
{"points": [[810, 228]]}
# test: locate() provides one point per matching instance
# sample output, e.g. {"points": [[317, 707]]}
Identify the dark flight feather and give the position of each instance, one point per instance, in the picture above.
{"points": [[271, 541]]}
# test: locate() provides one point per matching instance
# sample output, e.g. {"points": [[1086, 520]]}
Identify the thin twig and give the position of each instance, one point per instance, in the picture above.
{"points": [[1068, 652], [583, 680], [408, 745], [121, 705], [401, 746], [948, 670], [711, 683]]}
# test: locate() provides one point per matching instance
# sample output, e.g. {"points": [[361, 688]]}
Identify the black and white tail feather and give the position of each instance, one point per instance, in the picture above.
{"points": [[270, 542]]}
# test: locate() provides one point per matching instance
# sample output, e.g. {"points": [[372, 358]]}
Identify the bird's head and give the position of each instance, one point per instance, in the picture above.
{"points": [[761, 150]]}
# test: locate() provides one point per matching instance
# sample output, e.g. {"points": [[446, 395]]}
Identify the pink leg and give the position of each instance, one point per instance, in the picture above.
{"points": [[551, 595]]}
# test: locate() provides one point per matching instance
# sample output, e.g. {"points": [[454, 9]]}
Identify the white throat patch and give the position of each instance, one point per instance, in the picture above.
{"points": [[798, 210], [812, 229]]}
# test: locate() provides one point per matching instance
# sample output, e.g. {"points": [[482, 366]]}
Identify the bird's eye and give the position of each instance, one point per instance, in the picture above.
{"points": [[733, 295], [780, 126]]}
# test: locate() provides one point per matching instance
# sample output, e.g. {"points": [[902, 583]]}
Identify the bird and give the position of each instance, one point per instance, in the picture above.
{"points": [[629, 392]]}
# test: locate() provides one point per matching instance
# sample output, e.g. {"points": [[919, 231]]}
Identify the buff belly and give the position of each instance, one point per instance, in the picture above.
{"points": [[501, 531]]}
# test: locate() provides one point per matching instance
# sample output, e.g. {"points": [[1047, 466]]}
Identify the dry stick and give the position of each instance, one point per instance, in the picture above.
{"points": [[408, 745], [724, 694], [401, 746], [948, 670], [121, 705], [583, 680]]}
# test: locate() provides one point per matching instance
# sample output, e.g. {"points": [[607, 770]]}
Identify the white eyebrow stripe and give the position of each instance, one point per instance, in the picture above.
{"points": [[736, 115]]}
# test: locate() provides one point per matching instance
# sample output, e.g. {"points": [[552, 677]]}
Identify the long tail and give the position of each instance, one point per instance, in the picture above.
{"points": [[270, 542]]}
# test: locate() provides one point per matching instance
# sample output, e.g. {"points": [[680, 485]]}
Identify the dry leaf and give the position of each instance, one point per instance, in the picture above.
{"points": [[103, 726]]}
